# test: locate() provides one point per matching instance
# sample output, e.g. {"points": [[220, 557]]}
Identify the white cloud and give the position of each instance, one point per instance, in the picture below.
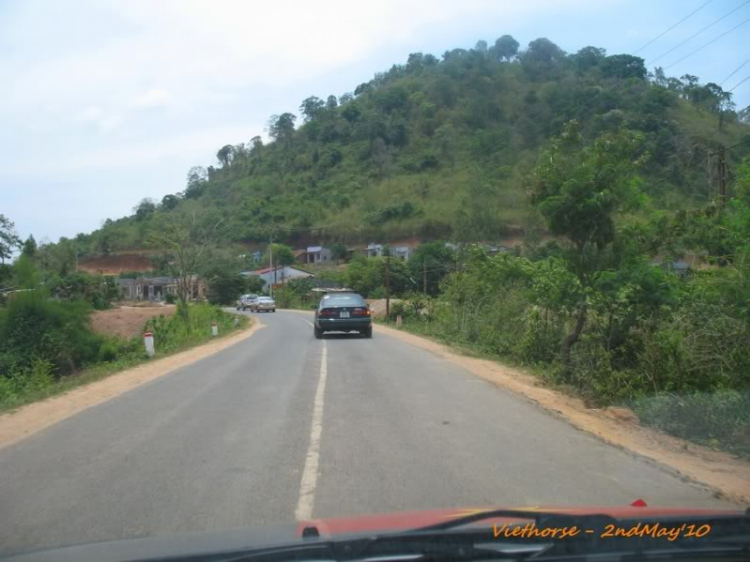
{"points": [[153, 98], [108, 124], [91, 113]]}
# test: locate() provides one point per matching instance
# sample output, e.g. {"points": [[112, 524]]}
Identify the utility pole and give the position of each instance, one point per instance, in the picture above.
{"points": [[722, 177], [388, 285], [270, 262]]}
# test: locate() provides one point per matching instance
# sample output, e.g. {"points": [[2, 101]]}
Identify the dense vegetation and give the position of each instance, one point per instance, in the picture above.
{"points": [[440, 148], [44, 342], [593, 313]]}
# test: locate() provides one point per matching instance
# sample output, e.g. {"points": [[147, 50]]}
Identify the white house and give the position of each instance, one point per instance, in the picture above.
{"points": [[399, 252], [402, 252], [278, 275], [317, 254], [374, 250]]}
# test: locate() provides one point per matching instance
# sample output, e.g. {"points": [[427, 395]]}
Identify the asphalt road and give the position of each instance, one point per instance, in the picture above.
{"points": [[284, 425]]}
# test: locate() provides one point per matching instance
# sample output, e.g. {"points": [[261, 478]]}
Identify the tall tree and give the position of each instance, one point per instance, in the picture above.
{"points": [[225, 155], [623, 66], [505, 48], [145, 208], [311, 107], [282, 255], [579, 189], [29, 247], [169, 202], [186, 237], [9, 240], [543, 50], [429, 263], [338, 252], [588, 57], [281, 128], [197, 179]]}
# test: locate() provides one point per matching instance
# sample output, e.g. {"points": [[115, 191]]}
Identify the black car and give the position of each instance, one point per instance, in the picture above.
{"points": [[343, 312]]}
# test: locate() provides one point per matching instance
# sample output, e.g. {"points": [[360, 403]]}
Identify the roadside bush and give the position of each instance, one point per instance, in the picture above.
{"points": [[170, 298], [720, 417], [98, 290], [174, 332], [33, 328], [115, 348], [541, 337], [38, 376]]}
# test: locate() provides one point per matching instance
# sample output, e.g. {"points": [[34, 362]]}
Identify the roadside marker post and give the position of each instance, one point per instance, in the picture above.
{"points": [[399, 321], [148, 341], [214, 330]]}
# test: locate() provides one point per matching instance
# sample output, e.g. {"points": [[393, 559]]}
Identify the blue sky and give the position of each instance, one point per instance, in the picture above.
{"points": [[105, 102]]}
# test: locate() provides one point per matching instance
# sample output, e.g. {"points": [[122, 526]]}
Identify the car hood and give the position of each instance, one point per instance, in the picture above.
{"points": [[264, 536]]}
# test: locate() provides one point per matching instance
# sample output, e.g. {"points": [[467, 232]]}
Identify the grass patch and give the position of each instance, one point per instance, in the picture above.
{"points": [[38, 383]]}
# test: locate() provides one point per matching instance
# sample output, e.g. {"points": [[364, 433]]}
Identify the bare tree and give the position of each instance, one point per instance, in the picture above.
{"points": [[187, 237]]}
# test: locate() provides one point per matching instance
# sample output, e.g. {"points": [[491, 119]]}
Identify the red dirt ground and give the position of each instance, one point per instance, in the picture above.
{"points": [[127, 321]]}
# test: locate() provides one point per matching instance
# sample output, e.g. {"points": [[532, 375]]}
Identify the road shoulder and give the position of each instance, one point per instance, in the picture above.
{"points": [[32, 418], [725, 475]]}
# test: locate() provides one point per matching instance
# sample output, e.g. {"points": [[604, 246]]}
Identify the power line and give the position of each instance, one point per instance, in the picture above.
{"points": [[741, 81], [707, 44], [734, 72], [663, 33], [693, 164], [699, 32]]}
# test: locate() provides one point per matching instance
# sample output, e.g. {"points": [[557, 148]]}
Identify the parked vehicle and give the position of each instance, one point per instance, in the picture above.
{"points": [[264, 304], [247, 301], [343, 312]]}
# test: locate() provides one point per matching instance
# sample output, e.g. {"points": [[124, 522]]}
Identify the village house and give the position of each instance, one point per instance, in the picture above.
{"points": [[157, 288], [316, 254], [374, 250], [402, 252], [278, 275]]}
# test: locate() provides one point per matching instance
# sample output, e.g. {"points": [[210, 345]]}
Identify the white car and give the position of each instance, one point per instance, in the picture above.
{"points": [[264, 304], [247, 301]]}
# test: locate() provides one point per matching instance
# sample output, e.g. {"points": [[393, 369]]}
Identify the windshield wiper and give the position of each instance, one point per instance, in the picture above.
{"points": [[539, 518]]}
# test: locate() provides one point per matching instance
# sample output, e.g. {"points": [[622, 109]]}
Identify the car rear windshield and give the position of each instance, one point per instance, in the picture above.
{"points": [[342, 300], [265, 299]]}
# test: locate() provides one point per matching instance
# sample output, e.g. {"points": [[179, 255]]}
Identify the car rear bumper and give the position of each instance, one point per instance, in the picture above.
{"points": [[264, 307], [343, 324]]}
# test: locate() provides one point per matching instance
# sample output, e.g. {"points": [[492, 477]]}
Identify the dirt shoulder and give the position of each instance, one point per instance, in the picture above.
{"points": [[32, 418], [127, 321], [726, 475]]}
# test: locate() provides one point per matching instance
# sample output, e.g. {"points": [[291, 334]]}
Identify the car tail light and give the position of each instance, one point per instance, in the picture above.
{"points": [[328, 312], [361, 312]]}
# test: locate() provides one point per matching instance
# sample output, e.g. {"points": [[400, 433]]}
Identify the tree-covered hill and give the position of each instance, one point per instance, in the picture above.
{"points": [[441, 147]]}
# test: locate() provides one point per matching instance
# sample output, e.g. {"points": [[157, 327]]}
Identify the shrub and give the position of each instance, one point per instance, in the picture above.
{"points": [[58, 332], [173, 332], [170, 298], [38, 376], [716, 417]]}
